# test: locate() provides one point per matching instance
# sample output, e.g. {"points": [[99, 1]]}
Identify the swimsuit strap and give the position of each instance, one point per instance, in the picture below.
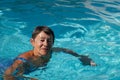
{"points": [[22, 59], [32, 66]]}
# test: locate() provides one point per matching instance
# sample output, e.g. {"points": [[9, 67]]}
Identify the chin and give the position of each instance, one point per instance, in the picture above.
{"points": [[44, 53]]}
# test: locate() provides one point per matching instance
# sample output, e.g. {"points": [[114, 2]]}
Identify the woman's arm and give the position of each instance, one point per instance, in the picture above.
{"points": [[15, 71], [84, 59]]}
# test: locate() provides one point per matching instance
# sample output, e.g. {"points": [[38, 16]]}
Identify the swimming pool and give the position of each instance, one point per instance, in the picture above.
{"points": [[89, 27]]}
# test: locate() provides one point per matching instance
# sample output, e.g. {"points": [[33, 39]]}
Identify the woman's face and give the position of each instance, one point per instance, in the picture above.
{"points": [[42, 44]]}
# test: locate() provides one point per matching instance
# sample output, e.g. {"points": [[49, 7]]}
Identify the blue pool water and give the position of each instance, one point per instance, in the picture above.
{"points": [[89, 27]]}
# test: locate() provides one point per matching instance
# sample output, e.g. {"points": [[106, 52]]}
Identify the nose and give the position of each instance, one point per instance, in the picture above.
{"points": [[45, 43]]}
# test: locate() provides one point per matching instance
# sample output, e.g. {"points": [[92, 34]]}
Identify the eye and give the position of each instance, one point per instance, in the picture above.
{"points": [[49, 40], [42, 40]]}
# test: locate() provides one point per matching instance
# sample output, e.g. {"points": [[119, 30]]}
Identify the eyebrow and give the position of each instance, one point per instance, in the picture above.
{"points": [[45, 38]]}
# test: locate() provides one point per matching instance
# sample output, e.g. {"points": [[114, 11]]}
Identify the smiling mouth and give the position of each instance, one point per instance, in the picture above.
{"points": [[45, 49]]}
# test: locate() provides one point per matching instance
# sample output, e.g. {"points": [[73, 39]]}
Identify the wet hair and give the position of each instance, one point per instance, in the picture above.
{"points": [[45, 29]]}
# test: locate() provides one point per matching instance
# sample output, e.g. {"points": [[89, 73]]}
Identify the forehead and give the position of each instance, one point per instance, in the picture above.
{"points": [[42, 34]]}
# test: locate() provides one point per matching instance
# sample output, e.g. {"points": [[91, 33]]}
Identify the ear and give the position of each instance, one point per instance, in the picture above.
{"points": [[32, 41]]}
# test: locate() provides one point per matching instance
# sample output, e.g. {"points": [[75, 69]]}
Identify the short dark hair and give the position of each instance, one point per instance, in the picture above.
{"points": [[46, 29]]}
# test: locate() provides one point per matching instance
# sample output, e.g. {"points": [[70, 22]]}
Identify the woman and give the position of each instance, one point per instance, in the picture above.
{"points": [[42, 41]]}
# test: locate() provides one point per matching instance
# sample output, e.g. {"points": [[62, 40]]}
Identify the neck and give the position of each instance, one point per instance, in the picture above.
{"points": [[34, 53]]}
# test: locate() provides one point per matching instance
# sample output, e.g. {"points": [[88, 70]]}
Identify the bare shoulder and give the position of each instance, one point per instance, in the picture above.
{"points": [[26, 55]]}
